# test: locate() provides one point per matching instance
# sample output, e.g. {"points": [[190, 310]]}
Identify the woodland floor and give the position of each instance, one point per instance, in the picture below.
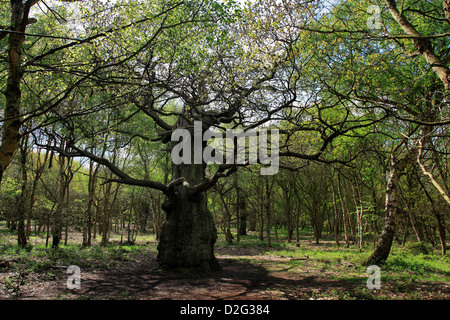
{"points": [[264, 278], [249, 273]]}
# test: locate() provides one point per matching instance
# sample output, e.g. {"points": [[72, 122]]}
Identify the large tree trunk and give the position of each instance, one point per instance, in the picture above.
{"points": [[188, 234], [10, 134]]}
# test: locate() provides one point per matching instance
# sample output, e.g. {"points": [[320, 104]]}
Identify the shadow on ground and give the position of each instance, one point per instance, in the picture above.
{"points": [[239, 279]]}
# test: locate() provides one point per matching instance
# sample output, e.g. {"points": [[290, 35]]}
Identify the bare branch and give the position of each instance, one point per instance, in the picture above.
{"points": [[122, 176]]}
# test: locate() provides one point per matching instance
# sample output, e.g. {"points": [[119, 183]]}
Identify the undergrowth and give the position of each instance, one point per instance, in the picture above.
{"points": [[40, 258]]}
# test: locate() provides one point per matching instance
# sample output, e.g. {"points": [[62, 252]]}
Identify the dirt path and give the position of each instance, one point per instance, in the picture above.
{"points": [[246, 275], [142, 280]]}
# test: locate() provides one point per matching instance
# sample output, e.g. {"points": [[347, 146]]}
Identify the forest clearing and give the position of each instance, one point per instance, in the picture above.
{"points": [[250, 271]]}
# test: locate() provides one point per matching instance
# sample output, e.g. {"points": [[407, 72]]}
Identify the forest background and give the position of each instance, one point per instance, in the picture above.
{"points": [[92, 91]]}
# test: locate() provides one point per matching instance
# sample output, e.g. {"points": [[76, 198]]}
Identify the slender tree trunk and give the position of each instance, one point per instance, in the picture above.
{"points": [[349, 218], [336, 217], [268, 213], [440, 226], [260, 214], [96, 223], [21, 233], [344, 217], [58, 214], [30, 209], [47, 237], [243, 214], [297, 215], [441, 189], [226, 219], [288, 214], [39, 170], [156, 214], [383, 248], [359, 212], [108, 208], [238, 207], [87, 219]]}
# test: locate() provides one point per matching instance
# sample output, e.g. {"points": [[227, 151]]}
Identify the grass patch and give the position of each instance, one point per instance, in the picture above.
{"points": [[39, 258], [411, 271], [429, 267]]}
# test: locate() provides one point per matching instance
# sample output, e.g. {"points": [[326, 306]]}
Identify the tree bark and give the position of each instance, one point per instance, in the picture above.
{"points": [[188, 234], [344, 216], [359, 208], [40, 166], [58, 214], [446, 7], [65, 176], [109, 203], [288, 215], [441, 189], [87, 219], [384, 244], [11, 125], [155, 202], [21, 233], [243, 214], [260, 213], [336, 217], [226, 218], [440, 226], [268, 212], [383, 248], [423, 44]]}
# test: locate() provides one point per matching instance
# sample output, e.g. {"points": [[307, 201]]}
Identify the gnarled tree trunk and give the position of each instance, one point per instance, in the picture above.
{"points": [[188, 235]]}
